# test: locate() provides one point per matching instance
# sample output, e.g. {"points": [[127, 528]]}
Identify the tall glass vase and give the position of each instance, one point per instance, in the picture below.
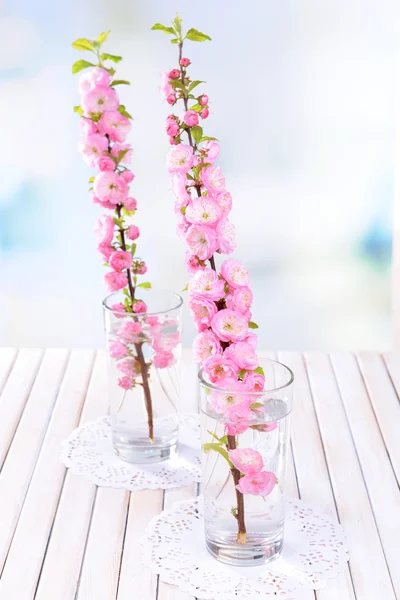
{"points": [[143, 357], [245, 438]]}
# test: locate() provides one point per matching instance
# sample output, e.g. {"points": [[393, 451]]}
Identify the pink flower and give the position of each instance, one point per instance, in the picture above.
{"points": [[162, 360], [243, 355], [205, 345], [191, 118], [104, 229], [179, 183], [105, 163], [247, 460], [206, 283], [224, 199], [99, 99], [116, 149], [173, 74], [115, 281], [117, 349], [235, 429], [105, 250], [120, 260], [172, 127], [203, 211], [204, 113], [111, 187], [92, 147], [165, 87], [213, 179], [127, 176], [171, 99], [238, 415], [139, 267], [226, 233], [133, 232], [234, 273], [130, 203], [201, 240], [203, 100], [242, 299], [236, 395], [254, 382], [92, 78], [102, 203], [118, 308], [126, 383], [128, 366], [212, 149], [129, 331], [260, 484], [139, 307], [202, 310], [266, 427], [193, 263], [219, 369], [87, 126], [180, 159], [184, 62], [115, 125], [230, 325]]}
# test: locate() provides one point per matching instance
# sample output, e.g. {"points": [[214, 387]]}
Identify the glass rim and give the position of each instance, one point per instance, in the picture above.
{"points": [[179, 303], [263, 392]]}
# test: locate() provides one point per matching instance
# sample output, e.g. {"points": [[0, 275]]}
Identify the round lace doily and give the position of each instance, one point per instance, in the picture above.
{"points": [[314, 551], [88, 451]]}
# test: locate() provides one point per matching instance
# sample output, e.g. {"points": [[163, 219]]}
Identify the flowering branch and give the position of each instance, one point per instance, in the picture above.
{"points": [[105, 124]]}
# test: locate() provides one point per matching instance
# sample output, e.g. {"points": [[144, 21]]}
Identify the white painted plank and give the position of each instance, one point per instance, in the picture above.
{"points": [[384, 399], [15, 395], [34, 526], [59, 577], [21, 459], [378, 474], [7, 359], [368, 567], [314, 483]]}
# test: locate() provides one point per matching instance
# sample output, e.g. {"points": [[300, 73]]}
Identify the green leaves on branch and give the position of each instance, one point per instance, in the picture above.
{"points": [[84, 44], [196, 36], [78, 109], [177, 84], [193, 34], [197, 107], [79, 65], [120, 82], [124, 112], [197, 133], [221, 440], [259, 370], [194, 84], [167, 30], [102, 37], [112, 57], [218, 448], [146, 285], [121, 154], [207, 137], [253, 325]]}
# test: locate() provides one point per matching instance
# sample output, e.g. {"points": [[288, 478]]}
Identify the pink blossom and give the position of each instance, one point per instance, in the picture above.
{"points": [[105, 163], [128, 366], [179, 183], [111, 187], [115, 281], [130, 203], [139, 266], [133, 232], [174, 74], [118, 308], [213, 179], [204, 113], [171, 99], [202, 310], [92, 78], [166, 343], [162, 360], [226, 233], [127, 175], [117, 349], [203, 100], [182, 227], [117, 148], [180, 158], [243, 355], [201, 240], [115, 125], [193, 263], [230, 325], [87, 126], [206, 283], [172, 127], [205, 345], [260, 484], [104, 229], [266, 427], [212, 149], [254, 382], [105, 250], [129, 331], [219, 369], [173, 141], [242, 299], [92, 147], [235, 429], [224, 199], [191, 118], [234, 273], [203, 211], [139, 307], [184, 62], [238, 415], [120, 260], [247, 460], [99, 99], [126, 382], [102, 203], [165, 87]]}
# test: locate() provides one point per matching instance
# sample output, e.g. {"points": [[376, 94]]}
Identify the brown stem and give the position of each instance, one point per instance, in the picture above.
{"points": [[241, 536]]}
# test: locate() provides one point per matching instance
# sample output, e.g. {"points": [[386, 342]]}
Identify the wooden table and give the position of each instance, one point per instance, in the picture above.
{"points": [[62, 538]]}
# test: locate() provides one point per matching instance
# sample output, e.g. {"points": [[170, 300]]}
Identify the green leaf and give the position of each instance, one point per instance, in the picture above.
{"points": [[167, 30], [259, 370], [256, 405], [83, 44], [207, 137], [222, 440], [128, 213], [78, 109], [177, 23], [242, 373], [197, 133], [194, 84], [124, 112], [91, 179], [174, 41], [102, 37], [176, 83], [196, 36], [111, 71], [112, 57], [122, 153], [120, 82], [145, 284], [220, 450], [79, 65], [253, 325], [133, 249], [185, 289], [197, 107], [183, 210]]}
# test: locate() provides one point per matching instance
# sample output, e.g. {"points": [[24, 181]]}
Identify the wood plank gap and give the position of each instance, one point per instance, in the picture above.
{"points": [[8, 369], [86, 544], [123, 542]]}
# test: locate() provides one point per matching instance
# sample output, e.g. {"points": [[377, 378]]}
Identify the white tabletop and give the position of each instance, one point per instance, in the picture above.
{"points": [[62, 538]]}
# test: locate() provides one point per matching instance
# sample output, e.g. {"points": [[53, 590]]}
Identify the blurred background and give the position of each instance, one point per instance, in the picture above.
{"points": [[303, 100]]}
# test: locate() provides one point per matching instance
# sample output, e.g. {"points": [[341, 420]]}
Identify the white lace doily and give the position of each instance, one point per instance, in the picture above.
{"points": [[88, 451], [314, 551]]}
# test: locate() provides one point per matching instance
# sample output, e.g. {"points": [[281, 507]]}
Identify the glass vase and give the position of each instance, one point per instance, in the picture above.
{"points": [[245, 439], [143, 357]]}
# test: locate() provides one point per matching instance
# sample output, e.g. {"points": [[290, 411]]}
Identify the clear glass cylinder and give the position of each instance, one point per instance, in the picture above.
{"points": [[143, 356], [245, 441]]}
